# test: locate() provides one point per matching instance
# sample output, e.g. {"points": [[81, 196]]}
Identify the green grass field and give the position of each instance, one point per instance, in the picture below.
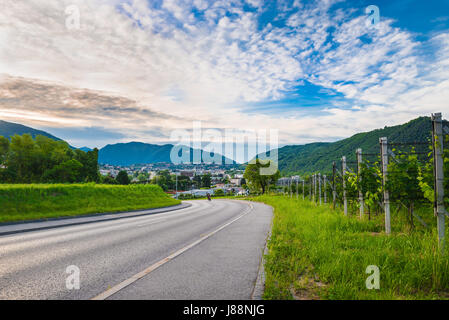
{"points": [[40, 201], [318, 253]]}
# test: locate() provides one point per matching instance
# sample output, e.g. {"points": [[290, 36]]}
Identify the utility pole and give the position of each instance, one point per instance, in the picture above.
{"points": [[334, 190], [359, 171], [315, 188], [437, 144], [319, 186], [176, 185], [324, 187], [343, 174], [384, 157]]}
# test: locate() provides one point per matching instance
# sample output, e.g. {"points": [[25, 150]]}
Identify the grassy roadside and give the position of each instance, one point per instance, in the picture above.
{"points": [[318, 253], [39, 201]]}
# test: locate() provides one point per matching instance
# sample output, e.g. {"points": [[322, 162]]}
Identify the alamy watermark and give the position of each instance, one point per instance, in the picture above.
{"points": [[222, 147], [374, 15], [373, 281], [72, 282], [72, 21]]}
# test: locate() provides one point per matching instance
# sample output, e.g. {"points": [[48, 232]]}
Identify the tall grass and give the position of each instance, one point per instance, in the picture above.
{"points": [[318, 252], [38, 201]]}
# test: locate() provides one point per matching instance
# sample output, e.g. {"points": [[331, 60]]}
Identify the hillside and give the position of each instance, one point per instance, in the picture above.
{"points": [[125, 154], [8, 129], [319, 156]]}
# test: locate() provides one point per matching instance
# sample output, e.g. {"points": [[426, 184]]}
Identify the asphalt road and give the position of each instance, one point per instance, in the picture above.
{"points": [[210, 250]]}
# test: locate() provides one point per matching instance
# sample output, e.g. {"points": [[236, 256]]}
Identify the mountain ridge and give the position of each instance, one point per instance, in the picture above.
{"points": [[8, 129], [293, 159], [123, 154], [134, 152], [300, 159]]}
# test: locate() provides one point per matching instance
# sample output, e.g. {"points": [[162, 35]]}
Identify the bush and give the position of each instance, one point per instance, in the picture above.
{"points": [[123, 178]]}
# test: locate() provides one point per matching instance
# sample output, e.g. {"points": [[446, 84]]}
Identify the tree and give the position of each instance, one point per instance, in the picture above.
{"points": [[164, 180], [89, 160], [68, 171], [142, 177], [254, 177], [109, 179], [4, 148], [197, 181], [28, 160], [206, 180], [123, 178], [183, 183]]}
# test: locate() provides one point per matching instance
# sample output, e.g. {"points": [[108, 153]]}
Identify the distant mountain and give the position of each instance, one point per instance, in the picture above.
{"points": [[292, 159], [125, 154], [319, 156], [8, 129]]}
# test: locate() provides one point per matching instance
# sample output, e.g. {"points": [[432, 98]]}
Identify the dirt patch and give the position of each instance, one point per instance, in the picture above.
{"points": [[307, 287]]}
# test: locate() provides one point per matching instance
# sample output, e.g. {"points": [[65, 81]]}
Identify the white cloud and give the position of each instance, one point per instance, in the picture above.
{"points": [[170, 61]]}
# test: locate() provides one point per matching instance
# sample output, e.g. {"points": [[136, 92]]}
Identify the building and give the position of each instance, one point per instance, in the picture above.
{"points": [[236, 182], [188, 173], [198, 192]]}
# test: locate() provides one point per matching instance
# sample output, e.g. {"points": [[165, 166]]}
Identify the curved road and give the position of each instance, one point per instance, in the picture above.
{"points": [[210, 250]]}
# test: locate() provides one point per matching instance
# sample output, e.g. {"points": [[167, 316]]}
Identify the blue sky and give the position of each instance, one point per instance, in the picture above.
{"points": [[138, 70], [423, 19]]}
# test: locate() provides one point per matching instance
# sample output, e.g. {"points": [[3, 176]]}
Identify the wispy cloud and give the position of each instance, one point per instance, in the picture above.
{"points": [[137, 65]]}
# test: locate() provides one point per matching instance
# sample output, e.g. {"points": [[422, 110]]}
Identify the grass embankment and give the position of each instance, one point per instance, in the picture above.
{"points": [[39, 201], [318, 253]]}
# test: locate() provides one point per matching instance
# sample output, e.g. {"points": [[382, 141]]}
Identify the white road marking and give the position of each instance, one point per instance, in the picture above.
{"points": [[120, 286]]}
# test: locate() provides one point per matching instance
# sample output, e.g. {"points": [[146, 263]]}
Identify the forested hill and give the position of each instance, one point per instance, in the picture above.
{"points": [[126, 154], [123, 154], [8, 129], [319, 156]]}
